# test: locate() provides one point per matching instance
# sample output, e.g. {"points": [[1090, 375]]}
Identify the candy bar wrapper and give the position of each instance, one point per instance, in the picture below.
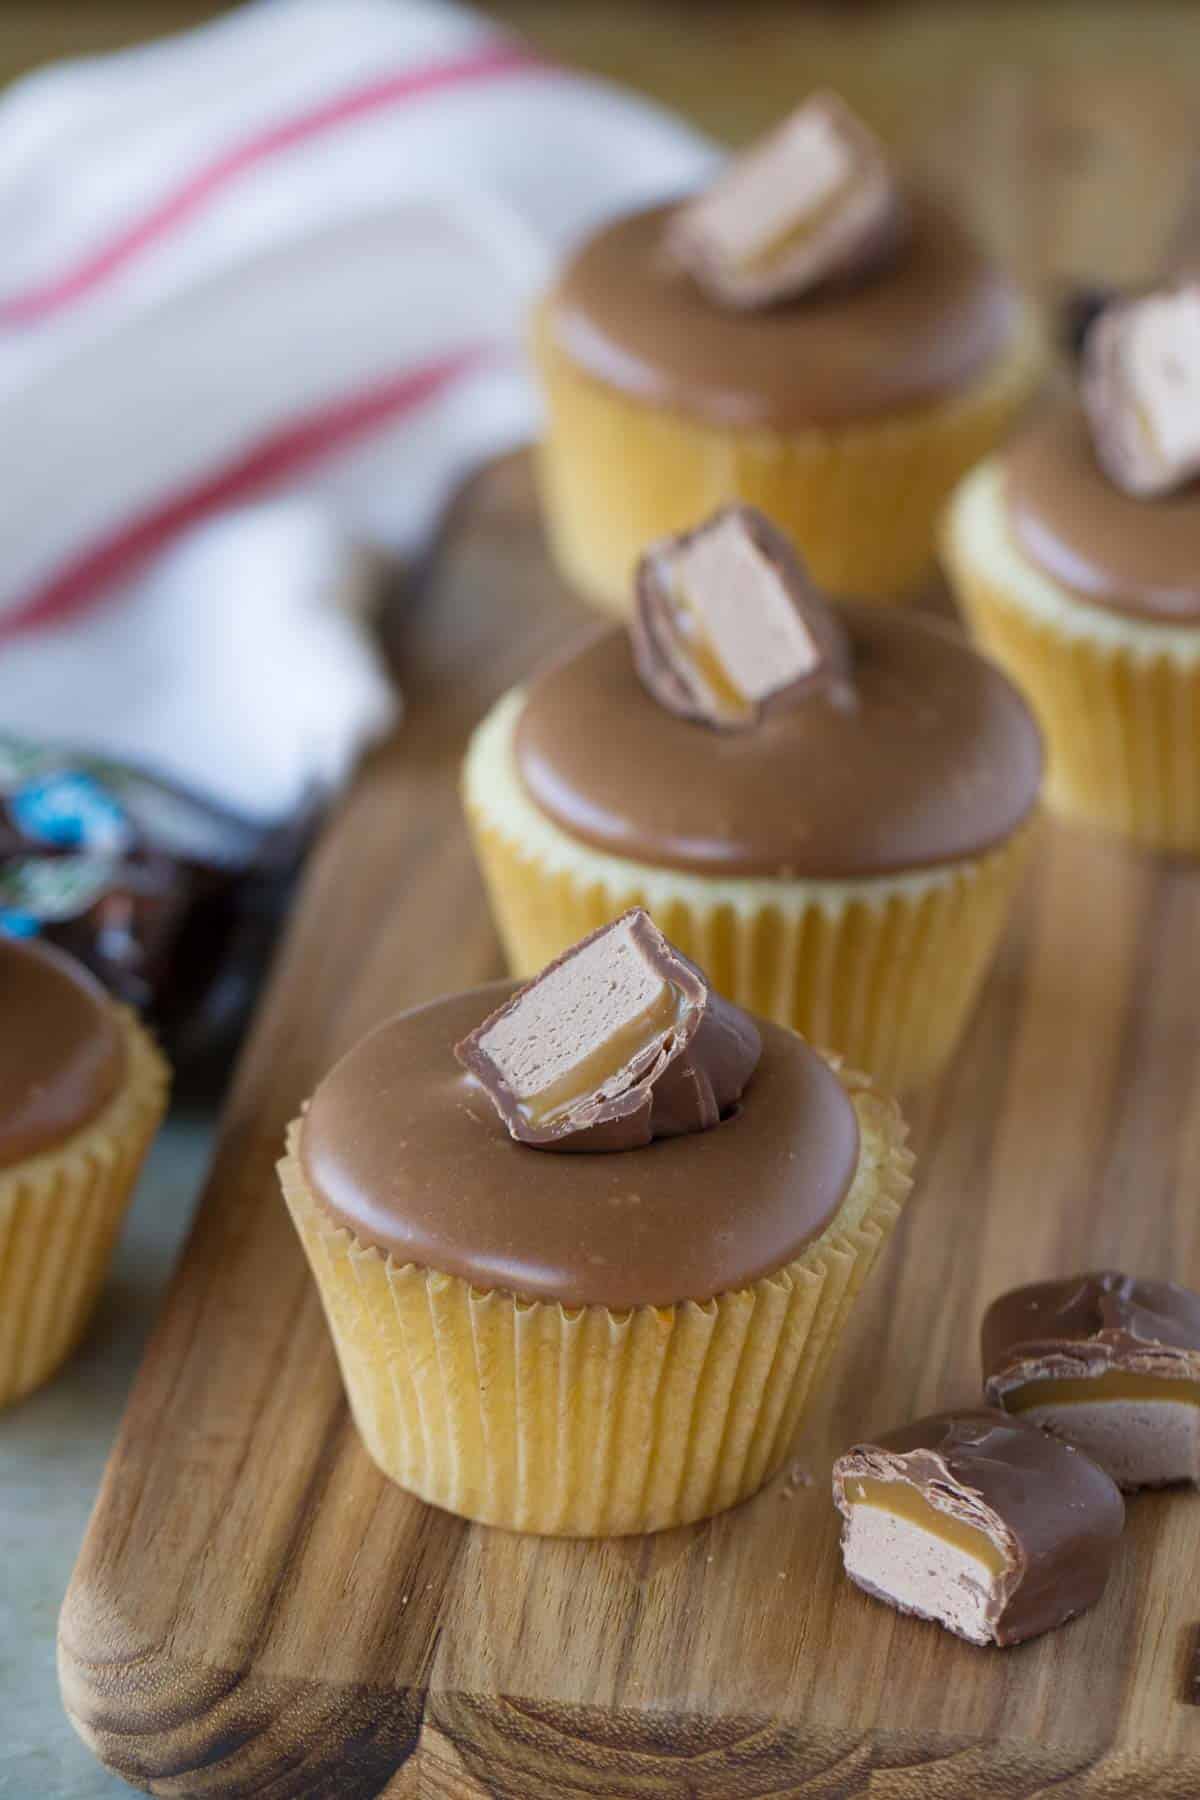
{"points": [[581, 1421], [60, 1212], [859, 502], [170, 901], [883, 971], [1118, 699]]}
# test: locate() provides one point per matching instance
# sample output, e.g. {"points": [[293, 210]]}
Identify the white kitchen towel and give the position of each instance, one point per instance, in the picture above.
{"points": [[290, 253]]}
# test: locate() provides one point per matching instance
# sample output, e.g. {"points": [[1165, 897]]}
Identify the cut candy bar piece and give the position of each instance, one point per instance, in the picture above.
{"points": [[1141, 389], [619, 1041], [979, 1522], [725, 621], [1107, 1361], [812, 201]]}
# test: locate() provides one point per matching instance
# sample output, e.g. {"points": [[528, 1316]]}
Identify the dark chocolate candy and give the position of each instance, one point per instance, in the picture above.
{"points": [[618, 1041], [1031, 1525], [726, 623]]}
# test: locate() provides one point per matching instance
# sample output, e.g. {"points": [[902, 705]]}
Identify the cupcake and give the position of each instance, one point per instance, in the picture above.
{"points": [[828, 809], [1076, 555], [586, 1247], [82, 1091], [807, 335]]}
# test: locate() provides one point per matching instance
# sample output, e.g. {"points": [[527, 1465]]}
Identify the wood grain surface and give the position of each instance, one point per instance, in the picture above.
{"points": [[256, 1611]]}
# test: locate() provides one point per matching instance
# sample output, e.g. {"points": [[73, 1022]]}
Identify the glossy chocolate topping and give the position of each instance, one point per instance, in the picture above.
{"points": [[62, 1055], [402, 1146], [1091, 1322], [1055, 1516], [1139, 557], [931, 756], [926, 323]]}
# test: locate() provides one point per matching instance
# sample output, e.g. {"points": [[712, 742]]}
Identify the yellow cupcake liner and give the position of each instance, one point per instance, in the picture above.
{"points": [[60, 1212], [860, 501], [585, 1422], [882, 971], [1118, 699]]}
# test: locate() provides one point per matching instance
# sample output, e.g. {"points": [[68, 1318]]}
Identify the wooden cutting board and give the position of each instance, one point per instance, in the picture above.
{"points": [[257, 1612]]}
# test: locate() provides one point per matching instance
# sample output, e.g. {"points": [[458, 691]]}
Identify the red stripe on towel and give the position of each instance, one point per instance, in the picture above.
{"points": [[83, 581], [48, 297]]}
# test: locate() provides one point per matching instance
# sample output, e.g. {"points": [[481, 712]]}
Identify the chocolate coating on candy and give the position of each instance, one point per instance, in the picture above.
{"points": [[936, 317], [1099, 1319], [1053, 1517], [726, 623], [928, 756], [1108, 1361], [404, 1148], [1134, 557], [618, 1041], [811, 202], [62, 1053], [1141, 389]]}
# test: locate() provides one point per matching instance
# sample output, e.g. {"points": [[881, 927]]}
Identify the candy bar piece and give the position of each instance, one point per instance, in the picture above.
{"points": [[1107, 1361], [619, 1041], [725, 620], [980, 1522], [1141, 389], [812, 201]]}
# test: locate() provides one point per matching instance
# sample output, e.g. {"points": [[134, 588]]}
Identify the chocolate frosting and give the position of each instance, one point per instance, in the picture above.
{"points": [[1134, 556], [1087, 1324], [62, 1053], [687, 1078], [1055, 1515], [404, 1148], [932, 756], [929, 321]]}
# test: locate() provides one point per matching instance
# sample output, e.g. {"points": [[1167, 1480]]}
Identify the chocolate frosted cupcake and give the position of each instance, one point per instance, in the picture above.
{"points": [[827, 809], [806, 335], [1076, 555], [82, 1091], [586, 1247]]}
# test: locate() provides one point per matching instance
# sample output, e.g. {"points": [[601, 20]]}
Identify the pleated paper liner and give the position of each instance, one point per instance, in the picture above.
{"points": [[60, 1212], [1118, 699], [882, 971], [582, 1421], [860, 501]]}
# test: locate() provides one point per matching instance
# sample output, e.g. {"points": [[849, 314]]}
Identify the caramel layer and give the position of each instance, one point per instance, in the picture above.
{"points": [[703, 651], [906, 1502], [1114, 1384]]}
